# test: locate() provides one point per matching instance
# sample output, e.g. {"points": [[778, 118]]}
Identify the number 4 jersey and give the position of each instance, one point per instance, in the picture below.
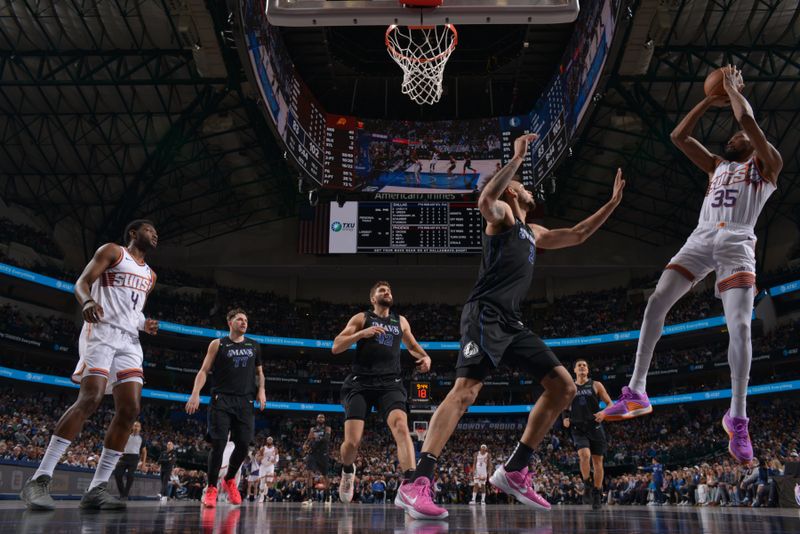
{"points": [[724, 240], [111, 347]]}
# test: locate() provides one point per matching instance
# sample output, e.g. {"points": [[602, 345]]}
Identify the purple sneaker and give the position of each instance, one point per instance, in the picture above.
{"points": [[738, 438], [416, 498], [629, 405], [518, 484]]}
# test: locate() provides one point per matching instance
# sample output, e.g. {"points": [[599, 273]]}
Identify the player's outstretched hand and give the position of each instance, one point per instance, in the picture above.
{"points": [[261, 398], [151, 326], [619, 185], [424, 365], [732, 79], [521, 144], [192, 404], [92, 312], [372, 331]]}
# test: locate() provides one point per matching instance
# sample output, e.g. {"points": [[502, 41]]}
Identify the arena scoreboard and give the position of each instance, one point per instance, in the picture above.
{"points": [[420, 392], [397, 227]]}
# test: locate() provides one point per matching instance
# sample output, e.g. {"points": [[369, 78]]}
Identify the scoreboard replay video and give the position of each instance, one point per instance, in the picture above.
{"points": [[353, 154]]}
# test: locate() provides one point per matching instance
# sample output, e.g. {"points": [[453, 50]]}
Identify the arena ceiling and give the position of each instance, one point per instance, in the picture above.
{"points": [[117, 109]]}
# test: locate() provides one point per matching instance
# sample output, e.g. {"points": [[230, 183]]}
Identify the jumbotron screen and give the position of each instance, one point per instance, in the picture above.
{"points": [[440, 157]]}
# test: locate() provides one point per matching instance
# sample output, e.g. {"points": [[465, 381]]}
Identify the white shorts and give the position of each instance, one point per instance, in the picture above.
{"points": [[267, 473], [727, 249], [109, 352], [253, 478], [480, 479]]}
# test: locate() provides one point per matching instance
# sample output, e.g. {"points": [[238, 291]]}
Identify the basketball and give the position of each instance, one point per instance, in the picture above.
{"points": [[713, 85]]}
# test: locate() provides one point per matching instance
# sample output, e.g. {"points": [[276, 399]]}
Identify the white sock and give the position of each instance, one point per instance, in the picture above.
{"points": [[671, 286], [108, 461], [474, 495], [738, 305], [56, 449]]}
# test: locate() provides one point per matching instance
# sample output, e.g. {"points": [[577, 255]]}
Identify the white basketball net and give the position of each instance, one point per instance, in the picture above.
{"points": [[422, 52]]}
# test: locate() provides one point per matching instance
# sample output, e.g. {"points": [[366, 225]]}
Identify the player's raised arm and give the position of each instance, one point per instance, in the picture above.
{"points": [[494, 210], [414, 348], [682, 138], [568, 237], [353, 332], [766, 153], [105, 257]]}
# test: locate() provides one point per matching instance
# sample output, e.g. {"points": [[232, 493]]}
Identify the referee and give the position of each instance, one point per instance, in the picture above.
{"points": [[587, 433], [134, 453], [235, 363]]}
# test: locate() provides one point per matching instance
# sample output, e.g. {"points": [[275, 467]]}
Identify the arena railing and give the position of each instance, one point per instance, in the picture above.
{"points": [[171, 396], [210, 333]]}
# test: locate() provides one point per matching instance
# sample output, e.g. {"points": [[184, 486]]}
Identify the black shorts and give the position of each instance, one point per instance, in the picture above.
{"points": [[487, 339], [318, 463], [231, 413], [590, 436], [360, 393]]}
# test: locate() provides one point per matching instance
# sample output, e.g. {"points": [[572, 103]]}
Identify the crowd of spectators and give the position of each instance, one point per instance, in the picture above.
{"points": [[686, 441], [29, 236]]}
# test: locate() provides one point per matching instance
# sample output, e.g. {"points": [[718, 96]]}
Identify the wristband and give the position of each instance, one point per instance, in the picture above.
{"points": [[87, 302]]}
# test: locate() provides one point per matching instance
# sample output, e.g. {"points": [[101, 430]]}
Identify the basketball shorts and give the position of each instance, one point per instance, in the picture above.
{"points": [[110, 352], [318, 463], [727, 249], [479, 478], [253, 478], [360, 393], [489, 339], [268, 472], [231, 414], [590, 436]]}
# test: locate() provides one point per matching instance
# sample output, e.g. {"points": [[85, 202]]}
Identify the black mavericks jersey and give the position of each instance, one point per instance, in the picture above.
{"points": [[319, 444], [506, 271], [379, 355], [234, 369], [585, 404]]}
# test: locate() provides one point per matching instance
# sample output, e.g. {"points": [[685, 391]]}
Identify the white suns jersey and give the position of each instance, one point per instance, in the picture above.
{"points": [[122, 290], [270, 457], [736, 194], [481, 463]]}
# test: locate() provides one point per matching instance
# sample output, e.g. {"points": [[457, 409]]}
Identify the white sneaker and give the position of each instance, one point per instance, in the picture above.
{"points": [[483, 502], [346, 486], [472, 503], [309, 502], [164, 498]]}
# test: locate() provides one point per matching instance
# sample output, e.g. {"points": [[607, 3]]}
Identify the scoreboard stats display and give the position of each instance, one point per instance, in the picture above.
{"points": [[397, 227], [420, 392], [434, 157]]}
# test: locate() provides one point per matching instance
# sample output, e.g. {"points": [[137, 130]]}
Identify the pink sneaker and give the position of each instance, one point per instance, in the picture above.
{"points": [[416, 498], [629, 405], [518, 484], [739, 444]]}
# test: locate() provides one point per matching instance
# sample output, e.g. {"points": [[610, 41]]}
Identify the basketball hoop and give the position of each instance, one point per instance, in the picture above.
{"points": [[422, 52]]}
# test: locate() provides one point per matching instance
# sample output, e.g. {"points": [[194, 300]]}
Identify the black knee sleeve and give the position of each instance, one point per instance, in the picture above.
{"points": [[215, 460], [237, 457]]}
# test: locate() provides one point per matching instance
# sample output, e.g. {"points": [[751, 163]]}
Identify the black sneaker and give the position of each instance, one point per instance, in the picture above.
{"points": [[36, 494], [98, 498], [597, 499]]}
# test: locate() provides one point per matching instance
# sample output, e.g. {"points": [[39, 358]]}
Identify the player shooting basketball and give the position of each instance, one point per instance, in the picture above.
{"points": [[740, 182]]}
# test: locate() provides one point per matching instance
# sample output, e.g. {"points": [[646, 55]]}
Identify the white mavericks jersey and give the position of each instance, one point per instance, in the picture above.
{"points": [[736, 194], [270, 458], [481, 464], [122, 291]]}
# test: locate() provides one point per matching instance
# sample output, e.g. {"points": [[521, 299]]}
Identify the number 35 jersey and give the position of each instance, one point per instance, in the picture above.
{"points": [[122, 291], [736, 193], [724, 240], [379, 355]]}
